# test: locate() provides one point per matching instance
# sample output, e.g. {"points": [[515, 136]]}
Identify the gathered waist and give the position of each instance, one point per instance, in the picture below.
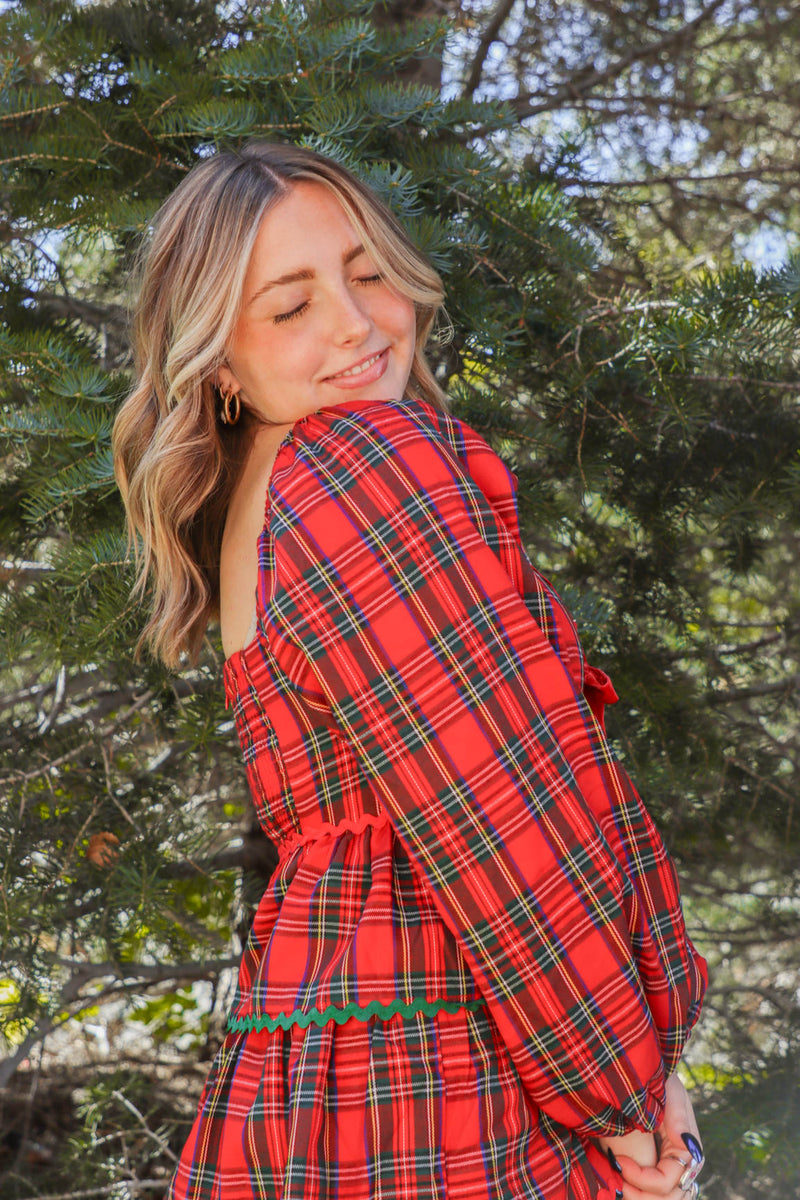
{"points": [[329, 829]]}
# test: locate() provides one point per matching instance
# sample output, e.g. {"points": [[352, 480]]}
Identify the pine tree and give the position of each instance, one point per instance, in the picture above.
{"points": [[654, 433]]}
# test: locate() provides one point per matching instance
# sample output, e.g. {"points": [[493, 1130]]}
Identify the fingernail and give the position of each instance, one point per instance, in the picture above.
{"points": [[614, 1164], [693, 1146]]}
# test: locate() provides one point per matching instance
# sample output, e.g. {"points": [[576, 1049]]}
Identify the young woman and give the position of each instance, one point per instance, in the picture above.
{"points": [[469, 975]]}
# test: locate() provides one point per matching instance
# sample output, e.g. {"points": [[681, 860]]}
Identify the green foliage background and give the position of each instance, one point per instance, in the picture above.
{"points": [[649, 409]]}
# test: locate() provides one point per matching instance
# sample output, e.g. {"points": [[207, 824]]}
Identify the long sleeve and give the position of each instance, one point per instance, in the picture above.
{"points": [[388, 601]]}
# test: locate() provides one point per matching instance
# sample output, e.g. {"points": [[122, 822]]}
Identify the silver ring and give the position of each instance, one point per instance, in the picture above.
{"points": [[683, 1161], [687, 1180]]}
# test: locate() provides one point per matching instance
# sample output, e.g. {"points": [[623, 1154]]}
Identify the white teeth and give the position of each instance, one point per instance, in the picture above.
{"points": [[359, 369]]}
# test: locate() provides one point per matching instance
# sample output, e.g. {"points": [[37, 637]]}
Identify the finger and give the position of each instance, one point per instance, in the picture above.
{"points": [[683, 1154], [679, 1126], [631, 1192], [661, 1180], [678, 1109]]}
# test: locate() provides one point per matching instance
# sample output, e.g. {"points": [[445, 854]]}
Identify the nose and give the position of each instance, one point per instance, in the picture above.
{"points": [[351, 322]]}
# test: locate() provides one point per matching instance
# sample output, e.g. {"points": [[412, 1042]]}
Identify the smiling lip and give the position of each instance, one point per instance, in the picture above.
{"points": [[366, 370]]}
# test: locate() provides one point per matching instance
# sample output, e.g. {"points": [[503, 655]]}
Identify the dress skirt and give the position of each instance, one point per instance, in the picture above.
{"points": [[427, 1107]]}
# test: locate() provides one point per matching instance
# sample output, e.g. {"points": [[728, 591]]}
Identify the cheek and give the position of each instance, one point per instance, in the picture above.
{"points": [[246, 347], [402, 317], [261, 354]]}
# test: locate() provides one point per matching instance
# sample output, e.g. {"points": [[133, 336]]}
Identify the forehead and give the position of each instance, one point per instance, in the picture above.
{"points": [[308, 216]]}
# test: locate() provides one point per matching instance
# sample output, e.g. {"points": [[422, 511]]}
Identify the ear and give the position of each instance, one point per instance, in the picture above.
{"points": [[227, 381]]}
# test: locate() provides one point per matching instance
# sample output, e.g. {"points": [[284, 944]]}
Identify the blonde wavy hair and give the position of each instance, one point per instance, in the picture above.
{"points": [[175, 462]]}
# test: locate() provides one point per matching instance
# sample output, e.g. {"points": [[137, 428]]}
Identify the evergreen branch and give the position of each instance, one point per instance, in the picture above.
{"points": [[103, 698], [254, 129], [102, 702], [37, 156], [32, 112], [258, 856], [163, 106], [55, 265], [498, 216], [87, 473], [727, 623], [109, 140]]}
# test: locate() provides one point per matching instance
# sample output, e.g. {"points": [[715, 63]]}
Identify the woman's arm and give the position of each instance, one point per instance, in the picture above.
{"points": [[390, 606]]}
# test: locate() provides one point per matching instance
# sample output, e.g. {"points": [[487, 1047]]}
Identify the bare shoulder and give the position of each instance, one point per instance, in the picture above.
{"points": [[239, 551]]}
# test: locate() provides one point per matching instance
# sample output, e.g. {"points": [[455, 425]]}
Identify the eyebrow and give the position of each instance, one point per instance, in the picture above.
{"points": [[305, 273]]}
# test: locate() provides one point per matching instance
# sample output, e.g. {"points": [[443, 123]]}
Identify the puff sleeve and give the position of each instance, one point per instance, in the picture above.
{"points": [[389, 600]]}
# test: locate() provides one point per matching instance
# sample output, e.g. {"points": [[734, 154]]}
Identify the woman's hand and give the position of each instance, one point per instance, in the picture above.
{"points": [[680, 1154], [637, 1145]]}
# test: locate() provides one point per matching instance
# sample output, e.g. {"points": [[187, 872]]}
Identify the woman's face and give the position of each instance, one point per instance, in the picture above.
{"points": [[318, 325]]}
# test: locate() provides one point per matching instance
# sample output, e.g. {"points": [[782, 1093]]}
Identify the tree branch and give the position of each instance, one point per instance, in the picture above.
{"points": [[12, 571], [18, 777], [88, 311], [495, 24], [637, 53], [83, 972], [151, 1133], [132, 1187], [761, 173], [790, 684]]}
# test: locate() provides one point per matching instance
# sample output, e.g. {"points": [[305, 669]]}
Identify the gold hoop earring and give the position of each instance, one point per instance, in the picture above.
{"points": [[231, 408]]}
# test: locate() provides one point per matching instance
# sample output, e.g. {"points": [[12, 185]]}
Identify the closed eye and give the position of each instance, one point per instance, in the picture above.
{"points": [[290, 316], [280, 318]]}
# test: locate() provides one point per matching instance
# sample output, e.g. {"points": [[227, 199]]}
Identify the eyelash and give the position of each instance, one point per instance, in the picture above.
{"points": [[301, 308]]}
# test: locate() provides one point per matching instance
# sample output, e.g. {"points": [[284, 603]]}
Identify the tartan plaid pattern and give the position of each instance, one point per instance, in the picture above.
{"points": [[458, 849], [420, 1108]]}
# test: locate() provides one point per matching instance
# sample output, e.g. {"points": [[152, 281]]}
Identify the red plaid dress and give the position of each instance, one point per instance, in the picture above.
{"points": [[471, 957]]}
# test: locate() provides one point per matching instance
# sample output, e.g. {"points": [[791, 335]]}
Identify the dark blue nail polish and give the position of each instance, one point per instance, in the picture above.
{"points": [[614, 1164], [693, 1146]]}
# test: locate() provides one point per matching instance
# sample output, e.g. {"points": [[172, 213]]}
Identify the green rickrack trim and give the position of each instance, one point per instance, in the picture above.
{"points": [[360, 1012]]}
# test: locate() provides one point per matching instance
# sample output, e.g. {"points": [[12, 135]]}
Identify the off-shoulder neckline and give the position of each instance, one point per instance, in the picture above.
{"points": [[342, 407]]}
